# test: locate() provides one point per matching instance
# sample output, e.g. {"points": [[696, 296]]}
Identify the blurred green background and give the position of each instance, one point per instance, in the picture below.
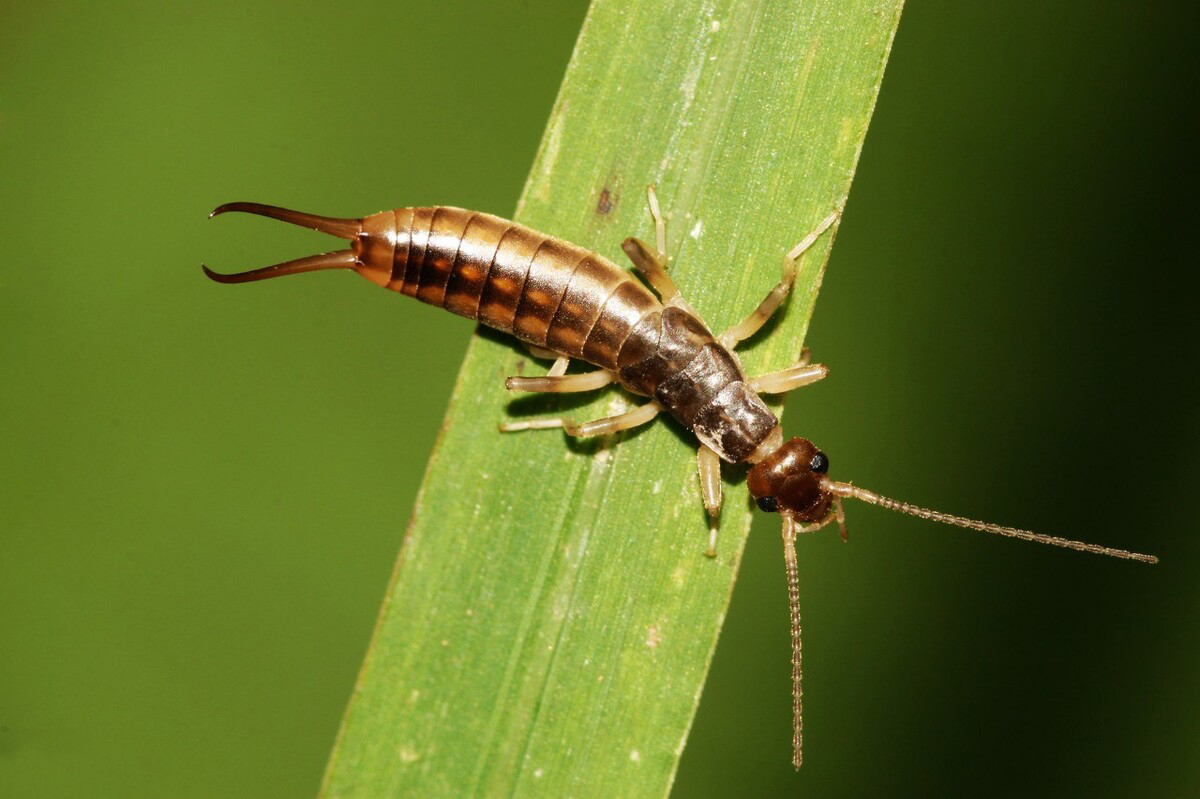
{"points": [[203, 489]]}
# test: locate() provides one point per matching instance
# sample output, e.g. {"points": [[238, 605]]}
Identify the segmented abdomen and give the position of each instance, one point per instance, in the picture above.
{"points": [[557, 295], [541, 289]]}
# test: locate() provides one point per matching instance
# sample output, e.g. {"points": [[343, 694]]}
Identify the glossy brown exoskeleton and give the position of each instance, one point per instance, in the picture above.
{"points": [[565, 301]]}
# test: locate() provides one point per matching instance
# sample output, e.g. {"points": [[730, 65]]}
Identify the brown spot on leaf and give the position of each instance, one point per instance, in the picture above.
{"points": [[606, 202]]}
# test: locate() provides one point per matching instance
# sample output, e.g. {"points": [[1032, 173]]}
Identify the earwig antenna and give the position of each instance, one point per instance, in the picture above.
{"points": [[848, 490], [793, 582]]}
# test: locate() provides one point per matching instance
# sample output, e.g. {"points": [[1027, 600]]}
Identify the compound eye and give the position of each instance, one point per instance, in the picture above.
{"points": [[768, 504], [820, 463]]}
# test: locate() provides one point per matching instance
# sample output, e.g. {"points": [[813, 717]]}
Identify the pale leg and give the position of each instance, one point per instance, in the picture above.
{"points": [[783, 381], [599, 427], [759, 316], [660, 224], [543, 353], [559, 367], [708, 464], [651, 265], [561, 383]]}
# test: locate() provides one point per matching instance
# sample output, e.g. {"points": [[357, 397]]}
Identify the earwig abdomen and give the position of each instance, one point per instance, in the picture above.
{"points": [[538, 288], [553, 294]]}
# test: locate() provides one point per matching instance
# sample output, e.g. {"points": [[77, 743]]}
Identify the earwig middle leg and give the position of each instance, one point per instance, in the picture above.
{"points": [[598, 427], [708, 464], [783, 381], [759, 316], [552, 383]]}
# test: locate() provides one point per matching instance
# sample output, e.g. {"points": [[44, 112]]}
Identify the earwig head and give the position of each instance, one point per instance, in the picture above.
{"points": [[792, 480], [366, 234]]}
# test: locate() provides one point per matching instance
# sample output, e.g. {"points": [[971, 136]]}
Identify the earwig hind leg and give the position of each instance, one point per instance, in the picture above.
{"points": [[652, 266], [660, 224], [785, 380], [558, 384], [559, 367], [598, 427], [543, 354], [708, 464], [759, 316]]}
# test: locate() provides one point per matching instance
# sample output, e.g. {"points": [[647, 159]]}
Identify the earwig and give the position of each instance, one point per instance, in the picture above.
{"points": [[564, 301]]}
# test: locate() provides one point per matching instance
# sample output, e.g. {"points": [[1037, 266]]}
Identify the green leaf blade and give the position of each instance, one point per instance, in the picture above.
{"points": [[552, 616]]}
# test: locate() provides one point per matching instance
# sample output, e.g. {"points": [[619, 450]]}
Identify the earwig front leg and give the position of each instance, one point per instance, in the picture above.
{"points": [[708, 464], [599, 427], [557, 384], [759, 316], [783, 381]]}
